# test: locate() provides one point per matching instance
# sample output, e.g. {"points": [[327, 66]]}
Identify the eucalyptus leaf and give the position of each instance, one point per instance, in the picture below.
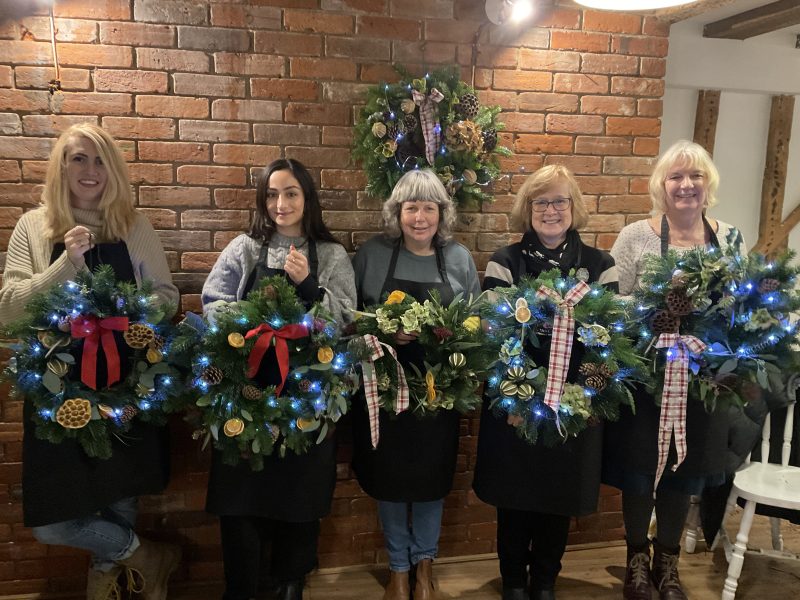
{"points": [[66, 357], [321, 366], [728, 366], [256, 446], [323, 432], [203, 401], [214, 430], [246, 414], [52, 382]]}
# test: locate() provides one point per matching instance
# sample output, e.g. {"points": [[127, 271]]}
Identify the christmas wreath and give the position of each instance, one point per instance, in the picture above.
{"points": [[90, 359], [244, 419], [435, 121], [536, 398]]}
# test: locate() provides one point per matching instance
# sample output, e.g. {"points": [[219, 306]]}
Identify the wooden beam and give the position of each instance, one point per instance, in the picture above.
{"points": [[764, 19], [705, 119], [772, 230], [681, 13]]}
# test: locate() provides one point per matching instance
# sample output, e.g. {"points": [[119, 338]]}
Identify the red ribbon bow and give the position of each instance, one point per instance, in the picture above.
{"points": [[287, 332], [96, 331]]}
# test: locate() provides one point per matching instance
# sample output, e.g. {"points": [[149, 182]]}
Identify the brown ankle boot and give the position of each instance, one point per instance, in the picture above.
{"points": [[425, 589], [397, 588], [154, 562], [102, 585], [637, 575], [665, 572]]}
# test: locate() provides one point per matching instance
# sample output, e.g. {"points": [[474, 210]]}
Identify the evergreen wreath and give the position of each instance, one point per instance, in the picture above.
{"points": [[71, 328], [739, 306], [246, 421], [456, 350], [518, 316], [446, 128]]}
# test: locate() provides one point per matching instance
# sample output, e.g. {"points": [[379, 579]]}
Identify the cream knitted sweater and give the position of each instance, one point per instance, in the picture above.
{"points": [[29, 272]]}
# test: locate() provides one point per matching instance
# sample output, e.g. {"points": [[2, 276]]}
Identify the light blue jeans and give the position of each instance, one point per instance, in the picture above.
{"points": [[410, 531], [108, 534]]}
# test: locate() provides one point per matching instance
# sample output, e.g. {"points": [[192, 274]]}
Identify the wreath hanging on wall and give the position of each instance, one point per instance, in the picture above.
{"points": [[437, 122]]}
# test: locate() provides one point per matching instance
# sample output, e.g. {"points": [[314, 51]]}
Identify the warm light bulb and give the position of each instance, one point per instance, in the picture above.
{"points": [[521, 9]]}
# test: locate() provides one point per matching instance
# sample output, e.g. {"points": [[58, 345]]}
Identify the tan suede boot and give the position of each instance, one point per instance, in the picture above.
{"points": [[154, 562], [103, 586], [397, 588], [425, 588]]}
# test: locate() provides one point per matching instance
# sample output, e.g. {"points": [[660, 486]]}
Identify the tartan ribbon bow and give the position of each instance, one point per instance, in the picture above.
{"points": [[673, 398], [267, 334], [561, 344], [96, 332], [428, 119], [376, 348]]}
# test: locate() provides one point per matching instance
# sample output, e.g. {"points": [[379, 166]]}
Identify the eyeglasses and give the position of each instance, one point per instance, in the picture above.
{"points": [[540, 206]]}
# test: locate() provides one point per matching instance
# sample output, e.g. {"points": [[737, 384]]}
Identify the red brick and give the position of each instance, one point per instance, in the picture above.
{"points": [[334, 179], [199, 261], [627, 166], [140, 82], [215, 219], [336, 136], [624, 204], [285, 134], [633, 126], [208, 85], [637, 86], [185, 240], [379, 73], [67, 30], [113, 10], [234, 198], [214, 131], [95, 55], [245, 154], [324, 68], [450, 31], [656, 26], [579, 40], [248, 64], [608, 105], [354, 48], [174, 151], [140, 128], [10, 171], [558, 18], [320, 157], [505, 100], [580, 84], [40, 77], [150, 173], [246, 16], [653, 67], [544, 144], [25, 148], [6, 76], [412, 53], [246, 110], [186, 12], [136, 34], [172, 60], [160, 218], [420, 9], [646, 146], [207, 175], [52, 125], [612, 22], [345, 93], [317, 114], [174, 196], [388, 28], [599, 184], [92, 103], [573, 124], [639, 185], [580, 165], [547, 102], [611, 64], [284, 89], [549, 60], [24, 100], [521, 163], [26, 195], [523, 80], [172, 106], [215, 39], [500, 58], [25, 52], [639, 46], [290, 44], [314, 21]]}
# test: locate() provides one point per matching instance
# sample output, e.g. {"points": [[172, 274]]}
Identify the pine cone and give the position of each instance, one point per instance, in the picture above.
{"points": [[768, 285], [251, 392], [128, 413], [589, 369], [605, 370], [597, 382], [468, 106], [392, 129], [75, 413], [158, 343], [665, 322], [410, 123], [139, 336], [678, 303], [489, 139], [212, 375]]}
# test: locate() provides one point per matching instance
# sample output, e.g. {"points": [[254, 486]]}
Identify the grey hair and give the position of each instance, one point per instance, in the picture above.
{"points": [[419, 185]]}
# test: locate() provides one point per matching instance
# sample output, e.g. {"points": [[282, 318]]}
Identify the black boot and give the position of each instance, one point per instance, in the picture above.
{"points": [[637, 584], [665, 572], [291, 590], [515, 593], [546, 594]]}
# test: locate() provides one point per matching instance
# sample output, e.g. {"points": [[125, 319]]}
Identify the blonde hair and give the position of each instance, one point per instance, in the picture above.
{"points": [[419, 185], [539, 183], [116, 202], [685, 154]]}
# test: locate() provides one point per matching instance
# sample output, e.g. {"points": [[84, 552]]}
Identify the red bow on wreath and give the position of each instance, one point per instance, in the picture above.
{"points": [[287, 332], [97, 331]]}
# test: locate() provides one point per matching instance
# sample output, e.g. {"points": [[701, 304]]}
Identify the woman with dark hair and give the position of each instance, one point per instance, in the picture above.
{"points": [[284, 502]]}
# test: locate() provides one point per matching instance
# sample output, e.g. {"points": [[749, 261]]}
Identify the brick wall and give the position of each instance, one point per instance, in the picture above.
{"points": [[202, 93]]}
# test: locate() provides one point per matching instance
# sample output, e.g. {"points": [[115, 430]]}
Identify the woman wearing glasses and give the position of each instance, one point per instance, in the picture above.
{"points": [[537, 489]]}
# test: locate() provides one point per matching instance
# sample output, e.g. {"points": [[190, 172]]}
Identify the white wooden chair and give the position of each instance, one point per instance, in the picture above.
{"points": [[762, 483]]}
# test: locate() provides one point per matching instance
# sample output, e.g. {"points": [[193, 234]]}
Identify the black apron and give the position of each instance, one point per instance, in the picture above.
{"points": [[59, 481], [416, 457], [295, 488], [632, 442], [511, 473]]}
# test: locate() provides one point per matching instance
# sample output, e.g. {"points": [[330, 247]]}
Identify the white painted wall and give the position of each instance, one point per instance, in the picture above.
{"points": [[748, 73]]}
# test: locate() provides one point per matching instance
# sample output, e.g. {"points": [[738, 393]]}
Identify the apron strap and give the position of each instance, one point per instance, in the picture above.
{"points": [[440, 266], [712, 235]]}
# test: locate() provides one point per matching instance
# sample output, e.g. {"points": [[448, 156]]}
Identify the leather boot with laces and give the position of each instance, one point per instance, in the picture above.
{"points": [[637, 574], [104, 585], [665, 572]]}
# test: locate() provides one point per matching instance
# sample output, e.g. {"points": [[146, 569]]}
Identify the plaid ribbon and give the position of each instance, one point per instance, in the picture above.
{"points": [[673, 399], [371, 384], [429, 120], [561, 344]]}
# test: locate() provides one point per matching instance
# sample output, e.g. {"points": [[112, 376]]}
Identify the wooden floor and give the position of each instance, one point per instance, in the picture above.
{"points": [[594, 573]]}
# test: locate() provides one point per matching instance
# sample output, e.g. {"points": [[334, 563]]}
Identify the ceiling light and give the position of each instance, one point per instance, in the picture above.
{"points": [[632, 5], [503, 11]]}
